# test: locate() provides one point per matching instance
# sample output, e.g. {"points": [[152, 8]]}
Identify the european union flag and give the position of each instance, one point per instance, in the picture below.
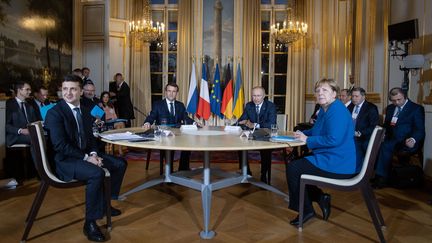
{"points": [[216, 94]]}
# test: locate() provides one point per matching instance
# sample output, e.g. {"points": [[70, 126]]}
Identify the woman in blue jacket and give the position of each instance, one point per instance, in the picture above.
{"points": [[333, 151]]}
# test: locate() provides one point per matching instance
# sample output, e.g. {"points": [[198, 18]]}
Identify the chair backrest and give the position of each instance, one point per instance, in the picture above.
{"points": [[371, 154], [40, 156]]}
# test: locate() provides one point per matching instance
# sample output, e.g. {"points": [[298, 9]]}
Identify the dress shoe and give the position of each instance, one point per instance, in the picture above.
{"points": [[325, 205], [114, 212], [306, 217], [379, 182], [92, 231], [264, 178]]}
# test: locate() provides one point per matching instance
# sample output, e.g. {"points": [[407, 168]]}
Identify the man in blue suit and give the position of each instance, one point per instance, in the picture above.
{"points": [[405, 131], [173, 113], [259, 113], [69, 125], [365, 118]]}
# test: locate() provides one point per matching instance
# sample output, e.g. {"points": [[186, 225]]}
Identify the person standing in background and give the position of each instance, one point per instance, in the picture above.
{"points": [[124, 103]]}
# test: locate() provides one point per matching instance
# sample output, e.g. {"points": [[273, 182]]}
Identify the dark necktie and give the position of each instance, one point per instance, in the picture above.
{"points": [[398, 110], [257, 112], [23, 109], [81, 133], [172, 109]]}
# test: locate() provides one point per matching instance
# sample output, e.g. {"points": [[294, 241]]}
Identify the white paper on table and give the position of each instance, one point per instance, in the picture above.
{"points": [[120, 136], [167, 133], [232, 129], [188, 127]]}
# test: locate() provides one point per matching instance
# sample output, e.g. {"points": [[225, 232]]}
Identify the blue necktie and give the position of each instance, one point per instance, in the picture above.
{"points": [[257, 108], [172, 109], [23, 109]]}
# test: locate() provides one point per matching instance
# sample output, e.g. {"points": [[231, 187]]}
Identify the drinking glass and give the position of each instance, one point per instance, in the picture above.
{"points": [[274, 130], [164, 123], [157, 133]]}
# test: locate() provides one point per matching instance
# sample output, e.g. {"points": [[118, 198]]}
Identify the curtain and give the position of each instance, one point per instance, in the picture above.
{"points": [[185, 47], [295, 98], [140, 83], [251, 46]]}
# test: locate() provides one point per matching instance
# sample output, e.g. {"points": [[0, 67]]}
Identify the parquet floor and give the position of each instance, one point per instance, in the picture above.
{"points": [[243, 213]]}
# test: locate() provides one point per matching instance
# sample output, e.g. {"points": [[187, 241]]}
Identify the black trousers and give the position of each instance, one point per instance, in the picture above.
{"points": [[94, 176], [294, 170], [184, 159], [266, 156]]}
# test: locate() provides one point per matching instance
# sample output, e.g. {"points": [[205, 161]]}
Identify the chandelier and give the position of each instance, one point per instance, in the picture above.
{"points": [[144, 29], [290, 31]]}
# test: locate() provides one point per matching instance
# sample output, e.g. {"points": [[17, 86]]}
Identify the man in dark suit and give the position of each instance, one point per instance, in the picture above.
{"points": [[89, 98], [405, 131], [173, 113], [40, 99], [19, 113], [69, 126], [123, 100], [259, 113], [365, 117]]}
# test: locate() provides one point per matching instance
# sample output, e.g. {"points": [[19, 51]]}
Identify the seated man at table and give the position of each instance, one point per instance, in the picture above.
{"points": [[259, 113], [69, 125], [173, 113]]}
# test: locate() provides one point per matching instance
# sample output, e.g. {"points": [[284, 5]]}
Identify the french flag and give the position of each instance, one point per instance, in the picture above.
{"points": [[192, 101], [204, 99]]}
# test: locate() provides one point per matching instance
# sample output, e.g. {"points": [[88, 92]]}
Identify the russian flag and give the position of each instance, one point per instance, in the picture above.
{"points": [[204, 99], [192, 101]]}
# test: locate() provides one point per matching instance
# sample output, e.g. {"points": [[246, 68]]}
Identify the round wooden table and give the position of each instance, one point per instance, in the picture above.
{"points": [[205, 139]]}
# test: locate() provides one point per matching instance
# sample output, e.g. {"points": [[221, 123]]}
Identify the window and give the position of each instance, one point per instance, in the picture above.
{"points": [[274, 55], [163, 54]]}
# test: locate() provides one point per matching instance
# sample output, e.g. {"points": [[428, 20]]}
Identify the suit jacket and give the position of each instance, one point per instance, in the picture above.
{"points": [[367, 119], [36, 107], [332, 140], [160, 110], [410, 123], [16, 120], [63, 133], [267, 115], [124, 103]]}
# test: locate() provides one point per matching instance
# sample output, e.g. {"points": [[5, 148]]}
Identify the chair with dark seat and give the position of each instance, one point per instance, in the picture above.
{"points": [[360, 181], [19, 163], [48, 178]]}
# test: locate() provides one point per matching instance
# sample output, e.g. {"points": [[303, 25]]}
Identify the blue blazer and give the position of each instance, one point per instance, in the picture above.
{"points": [[410, 123], [160, 110], [16, 120], [267, 115], [332, 140], [62, 129], [367, 119]]}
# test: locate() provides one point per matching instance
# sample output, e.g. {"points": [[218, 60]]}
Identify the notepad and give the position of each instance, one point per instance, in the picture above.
{"points": [[45, 109], [97, 112], [282, 138]]}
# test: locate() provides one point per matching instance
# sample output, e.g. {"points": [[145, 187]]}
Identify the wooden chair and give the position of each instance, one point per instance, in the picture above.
{"points": [[48, 178], [360, 181]]}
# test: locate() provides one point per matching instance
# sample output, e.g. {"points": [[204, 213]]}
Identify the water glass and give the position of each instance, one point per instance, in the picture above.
{"points": [[274, 130], [164, 123], [157, 133]]}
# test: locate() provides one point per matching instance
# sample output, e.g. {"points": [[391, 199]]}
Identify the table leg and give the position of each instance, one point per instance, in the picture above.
{"points": [[206, 195], [244, 165], [168, 164]]}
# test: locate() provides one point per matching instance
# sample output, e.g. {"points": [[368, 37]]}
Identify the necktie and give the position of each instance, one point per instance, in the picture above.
{"points": [[171, 108], [81, 133], [357, 109], [398, 110], [24, 110], [257, 108]]}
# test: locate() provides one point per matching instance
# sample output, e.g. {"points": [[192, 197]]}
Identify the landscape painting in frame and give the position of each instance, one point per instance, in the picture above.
{"points": [[35, 42]]}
